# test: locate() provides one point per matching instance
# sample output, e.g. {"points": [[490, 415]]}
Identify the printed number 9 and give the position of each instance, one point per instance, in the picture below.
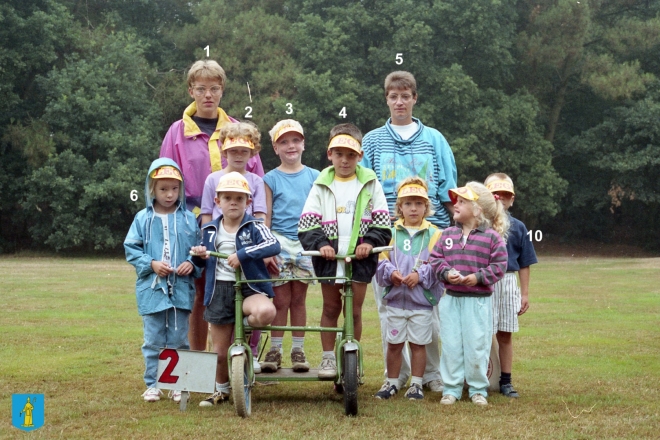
{"points": [[134, 195], [289, 108], [449, 243]]}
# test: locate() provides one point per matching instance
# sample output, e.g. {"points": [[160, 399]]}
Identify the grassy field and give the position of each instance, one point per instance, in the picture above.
{"points": [[587, 363]]}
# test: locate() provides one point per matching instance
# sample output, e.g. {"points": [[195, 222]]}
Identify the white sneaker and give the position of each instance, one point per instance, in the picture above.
{"points": [[256, 366], [328, 368], [435, 385], [152, 395], [479, 399], [448, 399], [175, 395]]}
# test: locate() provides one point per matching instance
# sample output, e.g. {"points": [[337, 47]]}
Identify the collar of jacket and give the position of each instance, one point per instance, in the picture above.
{"points": [[425, 224], [191, 129], [397, 137], [363, 174]]}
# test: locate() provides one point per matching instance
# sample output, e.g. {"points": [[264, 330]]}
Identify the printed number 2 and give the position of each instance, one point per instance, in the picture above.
{"points": [[289, 108], [449, 243], [248, 109], [399, 58], [166, 377], [538, 235]]}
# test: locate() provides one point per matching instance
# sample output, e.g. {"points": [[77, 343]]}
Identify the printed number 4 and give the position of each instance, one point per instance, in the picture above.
{"points": [[342, 112], [167, 377]]}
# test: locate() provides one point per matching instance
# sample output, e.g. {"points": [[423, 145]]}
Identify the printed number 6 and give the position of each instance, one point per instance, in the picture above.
{"points": [[134, 195], [166, 377], [449, 243]]}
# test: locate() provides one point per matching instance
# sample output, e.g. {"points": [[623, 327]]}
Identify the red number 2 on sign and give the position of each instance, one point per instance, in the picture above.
{"points": [[171, 354]]}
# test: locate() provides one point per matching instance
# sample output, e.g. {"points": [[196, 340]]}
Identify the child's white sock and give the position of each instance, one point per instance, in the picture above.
{"points": [[393, 381], [329, 354], [416, 380], [297, 342], [222, 387], [276, 343]]}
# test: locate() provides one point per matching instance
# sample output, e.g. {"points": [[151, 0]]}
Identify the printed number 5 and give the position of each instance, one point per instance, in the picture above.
{"points": [[399, 58], [449, 243], [166, 377]]}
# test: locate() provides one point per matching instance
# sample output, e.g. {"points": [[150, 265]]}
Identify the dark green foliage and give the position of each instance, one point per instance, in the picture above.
{"points": [[554, 93]]}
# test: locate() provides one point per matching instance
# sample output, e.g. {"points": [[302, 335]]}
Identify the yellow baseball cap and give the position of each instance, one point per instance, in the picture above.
{"points": [[237, 142], [413, 190], [288, 126], [233, 182], [465, 192], [346, 141], [500, 185], [166, 172]]}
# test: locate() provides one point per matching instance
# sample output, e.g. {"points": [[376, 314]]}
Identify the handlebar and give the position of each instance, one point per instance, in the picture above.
{"points": [[375, 250]]}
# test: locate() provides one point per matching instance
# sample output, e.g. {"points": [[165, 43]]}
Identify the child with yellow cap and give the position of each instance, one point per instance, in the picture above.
{"points": [[248, 242], [411, 287], [509, 299], [158, 245], [345, 213], [470, 259]]}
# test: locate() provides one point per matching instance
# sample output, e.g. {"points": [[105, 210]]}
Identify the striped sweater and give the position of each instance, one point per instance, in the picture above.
{"points": [[484, 254]]}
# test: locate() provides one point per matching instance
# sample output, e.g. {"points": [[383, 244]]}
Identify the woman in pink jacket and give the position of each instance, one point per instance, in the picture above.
{"points": [[192, 142]]}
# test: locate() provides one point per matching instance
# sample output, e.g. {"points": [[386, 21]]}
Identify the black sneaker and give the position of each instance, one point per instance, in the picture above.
{"points": [[386, 391], [415, 392], [508, 391]]}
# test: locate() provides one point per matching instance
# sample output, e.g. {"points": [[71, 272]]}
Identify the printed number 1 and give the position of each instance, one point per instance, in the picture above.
{"points": [[207, 50], [538, 235], [166, 377]]}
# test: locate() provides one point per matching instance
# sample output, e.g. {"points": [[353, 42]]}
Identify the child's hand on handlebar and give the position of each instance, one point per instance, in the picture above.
{"points": [[363, 251], [233, 261], [327, 252], [199, 251]]}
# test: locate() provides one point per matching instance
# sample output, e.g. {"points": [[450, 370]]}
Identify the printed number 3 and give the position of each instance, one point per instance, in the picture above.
{"points": [[166, 377], [449, 243], [289, 108]]}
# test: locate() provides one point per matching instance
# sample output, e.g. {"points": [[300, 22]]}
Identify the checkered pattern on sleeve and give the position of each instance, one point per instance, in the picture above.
{"points": [[309, 221], [381, 219], [331, 230]]}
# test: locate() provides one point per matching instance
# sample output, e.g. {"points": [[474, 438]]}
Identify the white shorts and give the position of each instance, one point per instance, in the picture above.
{"points": [[409, 325], [506, 304], [290, 261]]}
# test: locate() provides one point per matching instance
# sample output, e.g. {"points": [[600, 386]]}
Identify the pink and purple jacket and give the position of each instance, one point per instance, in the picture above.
{"points": [[484, 254], [189, 147]]}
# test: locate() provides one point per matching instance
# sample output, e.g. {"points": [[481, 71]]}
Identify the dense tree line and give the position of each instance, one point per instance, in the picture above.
{"points": [[562, 95]]}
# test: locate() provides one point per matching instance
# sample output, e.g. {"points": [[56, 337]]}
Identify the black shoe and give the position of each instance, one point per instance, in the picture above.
{"points": [[386, 391], [508, 391]]}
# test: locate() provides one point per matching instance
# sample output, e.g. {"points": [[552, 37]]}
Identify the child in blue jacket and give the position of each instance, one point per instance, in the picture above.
{"points": [[158, 245]]}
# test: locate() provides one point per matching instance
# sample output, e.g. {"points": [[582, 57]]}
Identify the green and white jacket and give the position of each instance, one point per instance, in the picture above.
{"points": [[371, 222]]}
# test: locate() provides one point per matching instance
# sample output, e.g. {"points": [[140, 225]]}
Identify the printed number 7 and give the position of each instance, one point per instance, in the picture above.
{"points": [[166, 377]]}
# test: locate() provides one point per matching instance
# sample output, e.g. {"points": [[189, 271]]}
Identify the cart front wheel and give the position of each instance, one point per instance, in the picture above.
{"points": [[240, 385], [350, 383]]}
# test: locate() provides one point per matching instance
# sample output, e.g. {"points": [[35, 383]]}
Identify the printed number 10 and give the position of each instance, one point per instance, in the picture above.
{"points": [[538, 235]]}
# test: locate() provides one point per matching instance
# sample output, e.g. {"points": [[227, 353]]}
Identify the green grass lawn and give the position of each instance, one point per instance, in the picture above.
{"points": [[587, 363]]}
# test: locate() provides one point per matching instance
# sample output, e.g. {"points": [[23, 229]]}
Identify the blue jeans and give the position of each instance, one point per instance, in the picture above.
{"points": [[166, 329], [466, 331]]}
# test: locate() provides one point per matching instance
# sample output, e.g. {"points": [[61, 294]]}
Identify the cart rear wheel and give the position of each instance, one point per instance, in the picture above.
{"points": [[240, 385], [350, 371]]}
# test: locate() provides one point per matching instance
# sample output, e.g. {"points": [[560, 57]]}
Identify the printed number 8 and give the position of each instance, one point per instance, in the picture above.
{"points": [[449, 243]]}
